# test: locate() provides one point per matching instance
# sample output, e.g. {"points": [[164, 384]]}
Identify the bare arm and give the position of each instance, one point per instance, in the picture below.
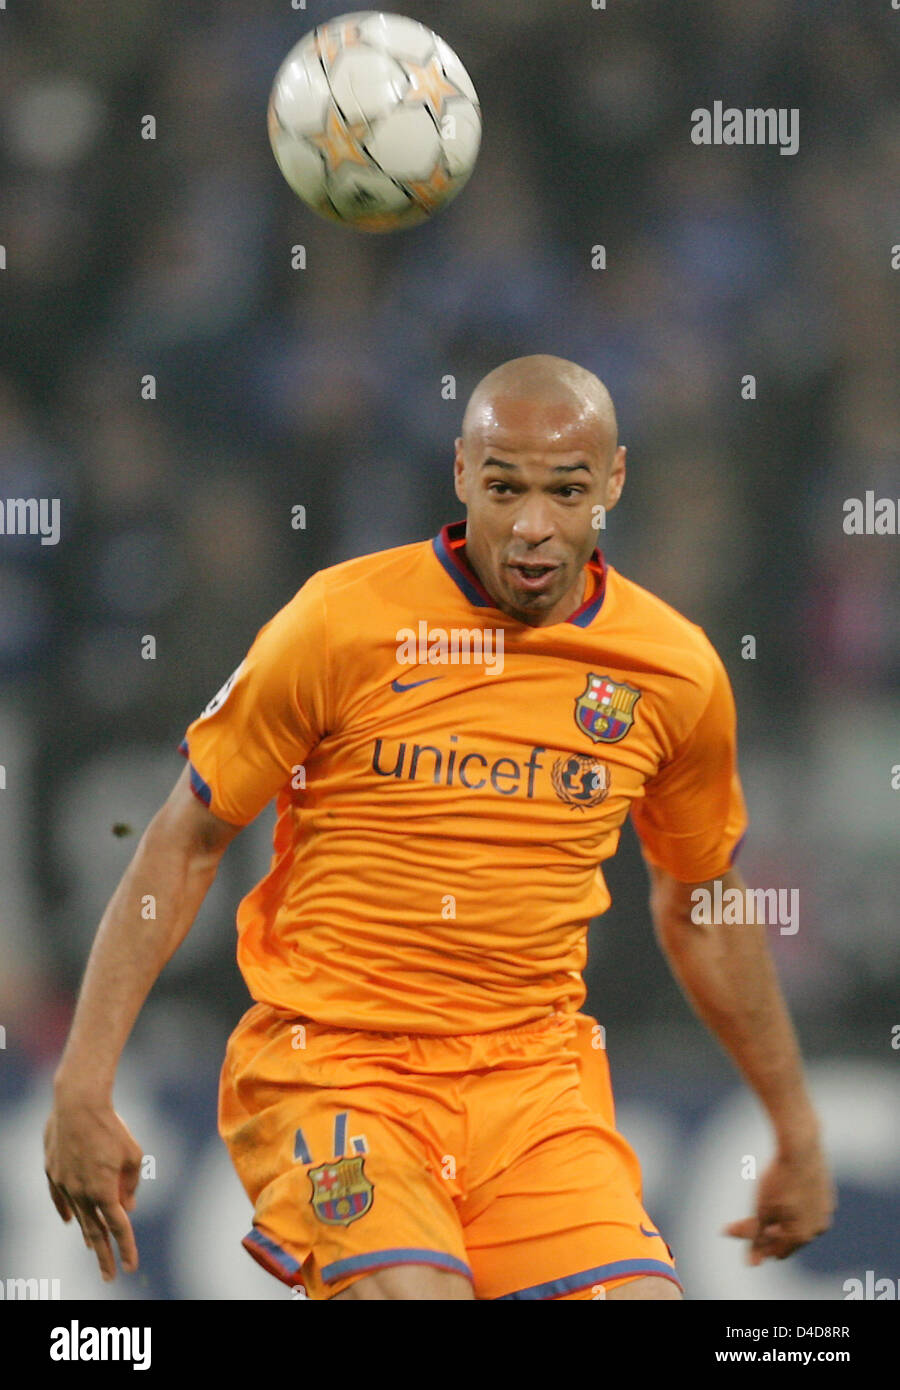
{"points": [[170, 875], [727, 974], [91, 1160]]}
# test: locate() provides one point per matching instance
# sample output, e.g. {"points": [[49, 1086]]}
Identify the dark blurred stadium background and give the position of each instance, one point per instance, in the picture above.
{"points": [[323, 388]]}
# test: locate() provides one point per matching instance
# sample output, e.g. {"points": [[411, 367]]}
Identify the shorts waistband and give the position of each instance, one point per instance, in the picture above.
{"points": [[556, 1018]]}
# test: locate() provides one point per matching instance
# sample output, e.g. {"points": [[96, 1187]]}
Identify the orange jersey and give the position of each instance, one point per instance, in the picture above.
{"points": [[449, 782]]}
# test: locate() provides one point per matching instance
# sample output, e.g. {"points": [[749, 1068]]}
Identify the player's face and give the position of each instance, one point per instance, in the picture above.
{"points": [[534, 482]]}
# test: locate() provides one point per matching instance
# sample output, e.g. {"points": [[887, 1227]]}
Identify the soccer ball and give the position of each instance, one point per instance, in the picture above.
{"points": [[374, 121]]}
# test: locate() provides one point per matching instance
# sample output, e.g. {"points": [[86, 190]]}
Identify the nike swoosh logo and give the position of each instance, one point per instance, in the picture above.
{"points": [[645, 1232], [396, 686]]}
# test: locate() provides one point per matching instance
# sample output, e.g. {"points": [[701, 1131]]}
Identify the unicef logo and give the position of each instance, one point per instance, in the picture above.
{"points": [[221, 696], [580, 780]]}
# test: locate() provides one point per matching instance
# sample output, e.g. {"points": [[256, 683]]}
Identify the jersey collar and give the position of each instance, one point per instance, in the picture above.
{"points": [[450, 548]]}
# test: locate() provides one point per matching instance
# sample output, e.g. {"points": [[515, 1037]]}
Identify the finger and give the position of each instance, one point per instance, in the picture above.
{"points": [[98, 1240], [767, 1245], [769, 1236], [59, 1200], [743, 1230], [129, 1178], [120, 1228], [96, 1237]]}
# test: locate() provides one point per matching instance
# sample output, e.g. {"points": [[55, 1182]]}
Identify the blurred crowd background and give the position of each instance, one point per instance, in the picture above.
{"points": [[322, 387]]}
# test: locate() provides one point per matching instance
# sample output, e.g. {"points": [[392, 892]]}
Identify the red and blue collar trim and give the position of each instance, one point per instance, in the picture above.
{"points": [[450, 548]]}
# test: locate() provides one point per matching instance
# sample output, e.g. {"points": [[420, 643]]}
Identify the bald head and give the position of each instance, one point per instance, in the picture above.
{"points": [[556, 397], [537, 467]]}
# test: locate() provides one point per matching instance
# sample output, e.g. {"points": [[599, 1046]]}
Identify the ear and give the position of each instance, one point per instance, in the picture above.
{"points": [[459, 471], [616, 479]]}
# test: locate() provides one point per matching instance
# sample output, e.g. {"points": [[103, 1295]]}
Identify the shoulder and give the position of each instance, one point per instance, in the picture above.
{"points": [[665, 638], [379, 572], [351, 611], [341, 588]]}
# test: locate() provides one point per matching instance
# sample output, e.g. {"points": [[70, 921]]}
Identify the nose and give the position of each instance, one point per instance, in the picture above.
{"points": [[534, 523]]}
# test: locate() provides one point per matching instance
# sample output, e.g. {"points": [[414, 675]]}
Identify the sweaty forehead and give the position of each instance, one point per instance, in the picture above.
{"points": [[519, 424]]}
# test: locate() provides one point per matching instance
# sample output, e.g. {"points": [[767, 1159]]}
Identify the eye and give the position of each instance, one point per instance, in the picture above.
{"points": [[571, 489], [506, 486]]}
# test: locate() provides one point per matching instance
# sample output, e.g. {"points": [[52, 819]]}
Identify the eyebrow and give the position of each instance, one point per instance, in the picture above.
{"points": [[558, 468]]}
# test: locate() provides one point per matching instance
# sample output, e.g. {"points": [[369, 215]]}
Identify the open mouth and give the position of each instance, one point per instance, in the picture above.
{"points": [[536, 576]]}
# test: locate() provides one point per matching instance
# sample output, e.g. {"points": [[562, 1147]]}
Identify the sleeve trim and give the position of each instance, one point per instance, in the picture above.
{"points": [[681, 878], [737, 849], [202, 790]]}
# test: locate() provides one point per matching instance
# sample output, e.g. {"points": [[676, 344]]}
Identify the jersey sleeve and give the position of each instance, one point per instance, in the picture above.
{"points": [[269, 714], [692, 818]]}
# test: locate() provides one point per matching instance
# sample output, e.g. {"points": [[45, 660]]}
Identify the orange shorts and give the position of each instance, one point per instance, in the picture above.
{"points": [[494, 1155]]}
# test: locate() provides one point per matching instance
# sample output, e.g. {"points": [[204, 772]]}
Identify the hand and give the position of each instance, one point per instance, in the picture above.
{"points": [[93, 1166], [794, 1204]]}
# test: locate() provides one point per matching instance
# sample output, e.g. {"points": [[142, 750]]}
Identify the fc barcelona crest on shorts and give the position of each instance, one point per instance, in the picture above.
{"points": [[605, 711], [341, 1191]]}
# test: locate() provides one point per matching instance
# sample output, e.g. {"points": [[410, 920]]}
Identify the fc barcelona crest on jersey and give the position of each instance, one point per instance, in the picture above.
{"points": [[605, 711], [341, 1191]]}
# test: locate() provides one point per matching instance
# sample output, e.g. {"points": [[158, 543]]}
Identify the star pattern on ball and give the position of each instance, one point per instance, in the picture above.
{"points": [[429, 86], [339, 142], [331, 38], [429, 192]]}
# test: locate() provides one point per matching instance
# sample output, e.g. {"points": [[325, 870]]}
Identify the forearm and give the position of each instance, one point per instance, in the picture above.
{"points": [[148, 917], [727, 974]]}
